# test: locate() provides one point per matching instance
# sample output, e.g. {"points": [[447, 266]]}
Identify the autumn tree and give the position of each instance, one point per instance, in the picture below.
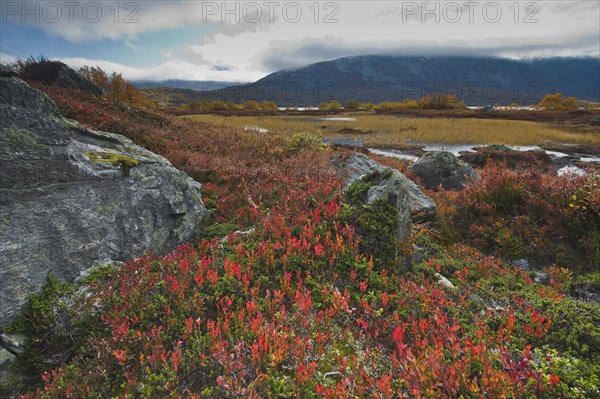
{"points": [[352, 104], [269, 106], [251, 105], [115, 87], [218, 105], [558, 103], [334, 105], [438, 101]]}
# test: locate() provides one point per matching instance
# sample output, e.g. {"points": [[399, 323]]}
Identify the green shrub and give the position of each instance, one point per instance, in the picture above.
{"points": [[54, 324], [334, 106], [577, 379], [352, 104], [304, 141], [377, 224], [219, 230]]}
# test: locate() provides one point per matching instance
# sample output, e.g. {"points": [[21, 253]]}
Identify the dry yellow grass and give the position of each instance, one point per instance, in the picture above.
{"points": [[393, 130]]}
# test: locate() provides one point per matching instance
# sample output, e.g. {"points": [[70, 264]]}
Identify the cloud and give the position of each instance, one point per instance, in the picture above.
{"points": [[85, 21], [251, 48], [7, 58], [91, 20], [171, 69], [135, 47], [290, 54]]}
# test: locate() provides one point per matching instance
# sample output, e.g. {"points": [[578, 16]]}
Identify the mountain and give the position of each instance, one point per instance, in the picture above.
{"points": [[199, 85], [378, 78], [173, 97]]}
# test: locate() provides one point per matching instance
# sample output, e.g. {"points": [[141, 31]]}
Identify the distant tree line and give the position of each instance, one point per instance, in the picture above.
{"points": [[225, 106], [430, 101]]}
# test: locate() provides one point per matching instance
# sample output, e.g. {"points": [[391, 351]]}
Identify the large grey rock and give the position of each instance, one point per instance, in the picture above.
{"points": [[12, 343], [7, 71], [7, 359], [71, 196], [437, 168], [390, 185], [522, 264], [56, 73], [494, 147], [67, 77]]}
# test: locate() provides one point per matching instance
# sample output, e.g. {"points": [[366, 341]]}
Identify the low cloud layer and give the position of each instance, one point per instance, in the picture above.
{"points": [[243, 41]]}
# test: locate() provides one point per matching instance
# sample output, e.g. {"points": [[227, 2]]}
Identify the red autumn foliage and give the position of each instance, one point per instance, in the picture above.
{"points": [[294, 309]]}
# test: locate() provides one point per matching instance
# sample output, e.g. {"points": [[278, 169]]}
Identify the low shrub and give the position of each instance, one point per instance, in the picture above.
{"points": [[54, 324], [299, 308], [525, 213], [304, 141]]}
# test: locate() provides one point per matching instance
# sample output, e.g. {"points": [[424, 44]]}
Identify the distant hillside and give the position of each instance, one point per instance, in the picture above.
{"points": [[392, 78], [200, 85], [167, 93], [171, 97]]}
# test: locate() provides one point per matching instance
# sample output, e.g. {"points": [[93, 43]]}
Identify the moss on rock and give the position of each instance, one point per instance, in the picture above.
{"points": [[125, 162], [376, 223], [18, 136]]}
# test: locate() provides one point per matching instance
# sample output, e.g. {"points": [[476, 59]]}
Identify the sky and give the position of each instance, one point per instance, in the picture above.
{"points": [[242, 41]]}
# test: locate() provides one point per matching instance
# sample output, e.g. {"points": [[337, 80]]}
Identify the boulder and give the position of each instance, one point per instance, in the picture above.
{"points": [[522, 264], [494, 147], [569, 160], [437, 168], [390, 185], [541, 278], [70, 79], [71, 196], [7, 359], [353, 144], [7, 71], [588, 292], [12, 343], [56, 73]]}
